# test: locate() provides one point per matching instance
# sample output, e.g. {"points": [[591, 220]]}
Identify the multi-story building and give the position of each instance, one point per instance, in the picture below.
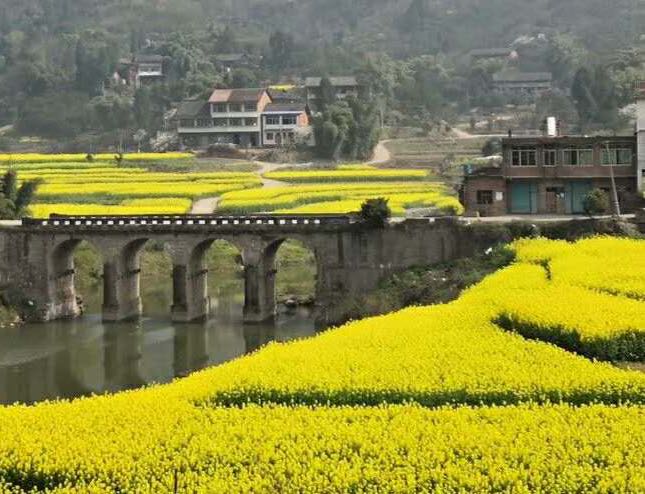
{"points": [[552, 175], [148, 69], [285, 123], [242, 117], [526, 84]]}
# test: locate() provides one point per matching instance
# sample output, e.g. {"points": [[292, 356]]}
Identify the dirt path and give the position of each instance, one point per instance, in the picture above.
{"points": [[381, 154], [208, 205]]}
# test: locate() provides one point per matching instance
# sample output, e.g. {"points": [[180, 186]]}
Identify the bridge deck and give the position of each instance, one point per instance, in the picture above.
{"points": [[209, 221]]}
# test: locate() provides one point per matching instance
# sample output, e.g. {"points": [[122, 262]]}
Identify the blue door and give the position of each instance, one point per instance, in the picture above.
{"points": [[576, 192], [523, 198]]}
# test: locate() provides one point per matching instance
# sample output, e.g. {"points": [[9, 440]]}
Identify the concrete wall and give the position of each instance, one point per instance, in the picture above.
{"points": [[350, 261]]}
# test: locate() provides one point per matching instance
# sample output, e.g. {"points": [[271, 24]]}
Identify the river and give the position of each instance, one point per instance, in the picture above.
{"points": [[67, 359]]}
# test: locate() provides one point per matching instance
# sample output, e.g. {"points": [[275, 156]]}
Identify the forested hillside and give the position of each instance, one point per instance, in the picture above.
{"points": [[55, 55]]}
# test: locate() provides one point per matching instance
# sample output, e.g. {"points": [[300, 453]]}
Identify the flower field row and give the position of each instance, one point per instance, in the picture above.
{"points": [[179, 448], [348, 175], [398, 203], [342, 412], [64, 191], [337, 198], [79, 157], [139, 175], [164, 205], [591, 276]]}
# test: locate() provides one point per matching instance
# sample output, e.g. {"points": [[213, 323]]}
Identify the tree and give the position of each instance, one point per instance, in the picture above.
{"points": [[281, 49], [595, 96], [596, 202], [143, 108], [375, 212], [96, 56], [327, 93], [14, 200], [242, 78]]}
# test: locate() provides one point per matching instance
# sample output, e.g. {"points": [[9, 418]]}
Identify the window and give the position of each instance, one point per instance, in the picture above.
{"points": [[219, 108], [235, 122], [550, 157], [270, 136], [250, 122], [484, 197], [289, 120], [250, 107], [220, 122], [235, 107], [617, 156], [525, 156], [273, 120], [203, 122], [577, 157]]}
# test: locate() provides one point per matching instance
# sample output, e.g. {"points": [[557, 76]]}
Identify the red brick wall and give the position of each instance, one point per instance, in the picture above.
{"points": [[495, 184]]}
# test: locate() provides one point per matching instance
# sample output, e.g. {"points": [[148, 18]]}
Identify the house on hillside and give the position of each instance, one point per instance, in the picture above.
{"points": [[244, 118], [148, 69], [285, 124], [502, 54], [343, 88], [552, 175], [525, 84], [230, 61], [141, 70]]}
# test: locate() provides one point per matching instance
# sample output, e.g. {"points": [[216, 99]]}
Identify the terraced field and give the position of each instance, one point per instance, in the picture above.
{"points": [[104, 186]]}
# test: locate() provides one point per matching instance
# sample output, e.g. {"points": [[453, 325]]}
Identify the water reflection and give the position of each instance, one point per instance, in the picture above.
{"points": [[76, 358]]}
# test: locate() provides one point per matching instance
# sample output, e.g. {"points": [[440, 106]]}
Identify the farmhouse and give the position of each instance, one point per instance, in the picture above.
{"points": [[285, 123], [343, 87], [552, 175], [527, 84], [242, 117]]}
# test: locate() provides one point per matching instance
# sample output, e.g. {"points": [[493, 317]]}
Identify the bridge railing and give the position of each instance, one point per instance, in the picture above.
{"points": [[191, 220]]}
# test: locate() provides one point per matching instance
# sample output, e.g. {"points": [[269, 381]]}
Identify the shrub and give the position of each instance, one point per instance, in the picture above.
{"points": [[375, 212], [596, 202]]}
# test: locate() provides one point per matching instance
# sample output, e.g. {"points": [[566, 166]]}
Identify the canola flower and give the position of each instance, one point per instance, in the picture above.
{"points": [[57, 191], [426, 399], [398, 204], [348, 175], [163, 205], [78, 157], [290, 198]]}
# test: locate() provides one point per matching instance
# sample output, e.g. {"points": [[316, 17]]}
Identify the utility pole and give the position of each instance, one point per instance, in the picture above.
{"points": [[614, 191]]}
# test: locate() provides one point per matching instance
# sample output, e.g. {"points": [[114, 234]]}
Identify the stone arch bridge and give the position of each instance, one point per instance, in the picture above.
{"points": [[37, 257]]}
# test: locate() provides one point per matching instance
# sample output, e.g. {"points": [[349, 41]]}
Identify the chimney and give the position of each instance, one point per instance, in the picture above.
{"points": [[551, 127]]}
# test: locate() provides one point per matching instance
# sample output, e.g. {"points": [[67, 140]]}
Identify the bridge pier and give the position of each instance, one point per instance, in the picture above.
{"points": [[121, 284], [259, 285], [190, 300]]}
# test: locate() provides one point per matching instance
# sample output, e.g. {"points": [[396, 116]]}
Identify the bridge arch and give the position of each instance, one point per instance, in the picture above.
{"points": [[64, 295]]}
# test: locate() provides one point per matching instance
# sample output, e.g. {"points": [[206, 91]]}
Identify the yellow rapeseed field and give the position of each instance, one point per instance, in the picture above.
{"points": [[429, 399], [339, 198], [351, 174], [164, 205], [79, 157]]}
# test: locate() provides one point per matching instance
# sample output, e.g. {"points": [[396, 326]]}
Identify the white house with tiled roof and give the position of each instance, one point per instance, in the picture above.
{"points": [[242, 117]]}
